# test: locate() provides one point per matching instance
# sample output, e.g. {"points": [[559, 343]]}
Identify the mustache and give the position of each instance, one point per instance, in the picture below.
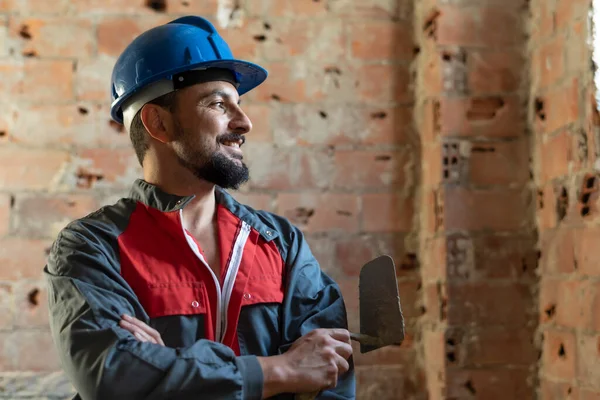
{"points": [[232, 137]]}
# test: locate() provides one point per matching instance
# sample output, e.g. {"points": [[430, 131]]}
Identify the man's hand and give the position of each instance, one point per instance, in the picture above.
{"points": [[140, 330], [313, 363]]}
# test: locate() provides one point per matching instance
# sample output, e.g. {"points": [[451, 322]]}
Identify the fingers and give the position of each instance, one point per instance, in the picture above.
{"points": [[340, 334], [140, 330], [343, 349]]}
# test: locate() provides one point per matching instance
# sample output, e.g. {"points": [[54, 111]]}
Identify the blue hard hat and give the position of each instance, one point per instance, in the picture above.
{"points": [[148, 66]]}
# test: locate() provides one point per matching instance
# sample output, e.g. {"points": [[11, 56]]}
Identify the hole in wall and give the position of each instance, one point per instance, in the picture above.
{"points": [[157, 5], [33, 297]]}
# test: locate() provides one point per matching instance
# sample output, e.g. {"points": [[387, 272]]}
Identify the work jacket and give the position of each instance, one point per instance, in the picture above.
{"points": [[135, 257]]}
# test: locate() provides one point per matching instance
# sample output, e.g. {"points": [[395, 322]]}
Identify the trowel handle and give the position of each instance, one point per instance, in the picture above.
{"points": [[357, 337], [365, 339]]}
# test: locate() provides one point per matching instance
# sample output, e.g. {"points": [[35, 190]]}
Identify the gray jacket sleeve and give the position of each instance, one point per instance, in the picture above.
{"points": [[86, 298], [313, 300]]}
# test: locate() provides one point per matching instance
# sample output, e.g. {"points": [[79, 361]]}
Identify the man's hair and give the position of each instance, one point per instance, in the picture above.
{"points": [[137, 131]]}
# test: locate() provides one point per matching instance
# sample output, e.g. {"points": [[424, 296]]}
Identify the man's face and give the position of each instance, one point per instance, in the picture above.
{"points": [[210, 128]]}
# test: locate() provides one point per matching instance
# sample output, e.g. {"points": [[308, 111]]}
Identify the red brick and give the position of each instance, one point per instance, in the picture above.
{"points": [[410, 292], [547, 216], [392, 83], [572, 309], [38, 80], [305, 39], [404, 354], [31, 301], [561, 107], [491, 26], [370, 169], [431, 165], [428, 121], [117, 167], [588, 258], [432, 302], [115, 33], [559, 357], [495, 71], [349, 289], [52, 37], [387, 382], [556, 155], [433, 346], [44, 216], [590, 306], [206, 8], [432, 214], [495, 384], [5, 206], [352, 252], [567, 11], [29, 169], [433, 264], [492, 117], [484, 303], [578, 49], [557, 251], [499, 163], [548, 299], [287, 82], [380, 40], [558, 390], [387, 212], [92, 78], [546, 24], [59, 7], [71, 124], [24, 350], [501, 257], [307, 124], [431, 70], [7, 306], [241, 38], [588, 357], [481, 209], [589, 394], [372, 9], [314, 212], [549, 61], [22, 258], [285, 8], [257, 201]]}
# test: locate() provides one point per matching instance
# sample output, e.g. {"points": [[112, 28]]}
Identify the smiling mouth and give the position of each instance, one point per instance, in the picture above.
{"points": [[234, 141]]}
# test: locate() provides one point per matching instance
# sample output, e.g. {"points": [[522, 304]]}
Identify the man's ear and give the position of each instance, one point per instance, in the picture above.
{"points": [[158, 122]]}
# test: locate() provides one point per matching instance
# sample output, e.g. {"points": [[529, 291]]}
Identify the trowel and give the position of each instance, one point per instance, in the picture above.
{"points": [[381, 320]]}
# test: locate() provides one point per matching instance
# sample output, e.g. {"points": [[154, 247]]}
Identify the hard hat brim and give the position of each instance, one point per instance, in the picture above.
{"points": [[248, 75]]}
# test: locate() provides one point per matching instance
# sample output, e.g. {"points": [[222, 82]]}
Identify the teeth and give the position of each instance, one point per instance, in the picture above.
{"points": [[232, 144]]}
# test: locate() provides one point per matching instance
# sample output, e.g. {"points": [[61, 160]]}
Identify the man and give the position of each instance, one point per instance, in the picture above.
{"points": [[179, 291]]}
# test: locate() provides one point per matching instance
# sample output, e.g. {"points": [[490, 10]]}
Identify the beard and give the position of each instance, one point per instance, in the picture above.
{"points": [[213, 167]]}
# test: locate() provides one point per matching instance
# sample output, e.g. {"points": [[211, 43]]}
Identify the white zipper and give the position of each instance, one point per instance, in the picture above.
{"points": [[234, 266], [224, 296]]}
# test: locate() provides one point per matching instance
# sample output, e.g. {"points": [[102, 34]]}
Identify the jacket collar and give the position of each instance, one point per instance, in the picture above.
{"points": [[154, 197]]}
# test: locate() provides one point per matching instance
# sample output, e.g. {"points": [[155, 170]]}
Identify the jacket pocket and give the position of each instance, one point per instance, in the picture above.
{"points": [[263, 288], [174, 298]]}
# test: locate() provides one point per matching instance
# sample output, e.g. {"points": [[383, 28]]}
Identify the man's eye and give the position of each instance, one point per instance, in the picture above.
{"points": [[219, 104]]}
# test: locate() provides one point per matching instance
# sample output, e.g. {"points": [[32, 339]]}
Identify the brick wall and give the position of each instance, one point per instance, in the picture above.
{"points": [[565, 126], [459, 136], [333, 149], [477, 229]]}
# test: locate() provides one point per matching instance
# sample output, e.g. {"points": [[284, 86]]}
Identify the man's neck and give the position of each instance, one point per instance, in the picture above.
{"points": [[199, 213]]}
